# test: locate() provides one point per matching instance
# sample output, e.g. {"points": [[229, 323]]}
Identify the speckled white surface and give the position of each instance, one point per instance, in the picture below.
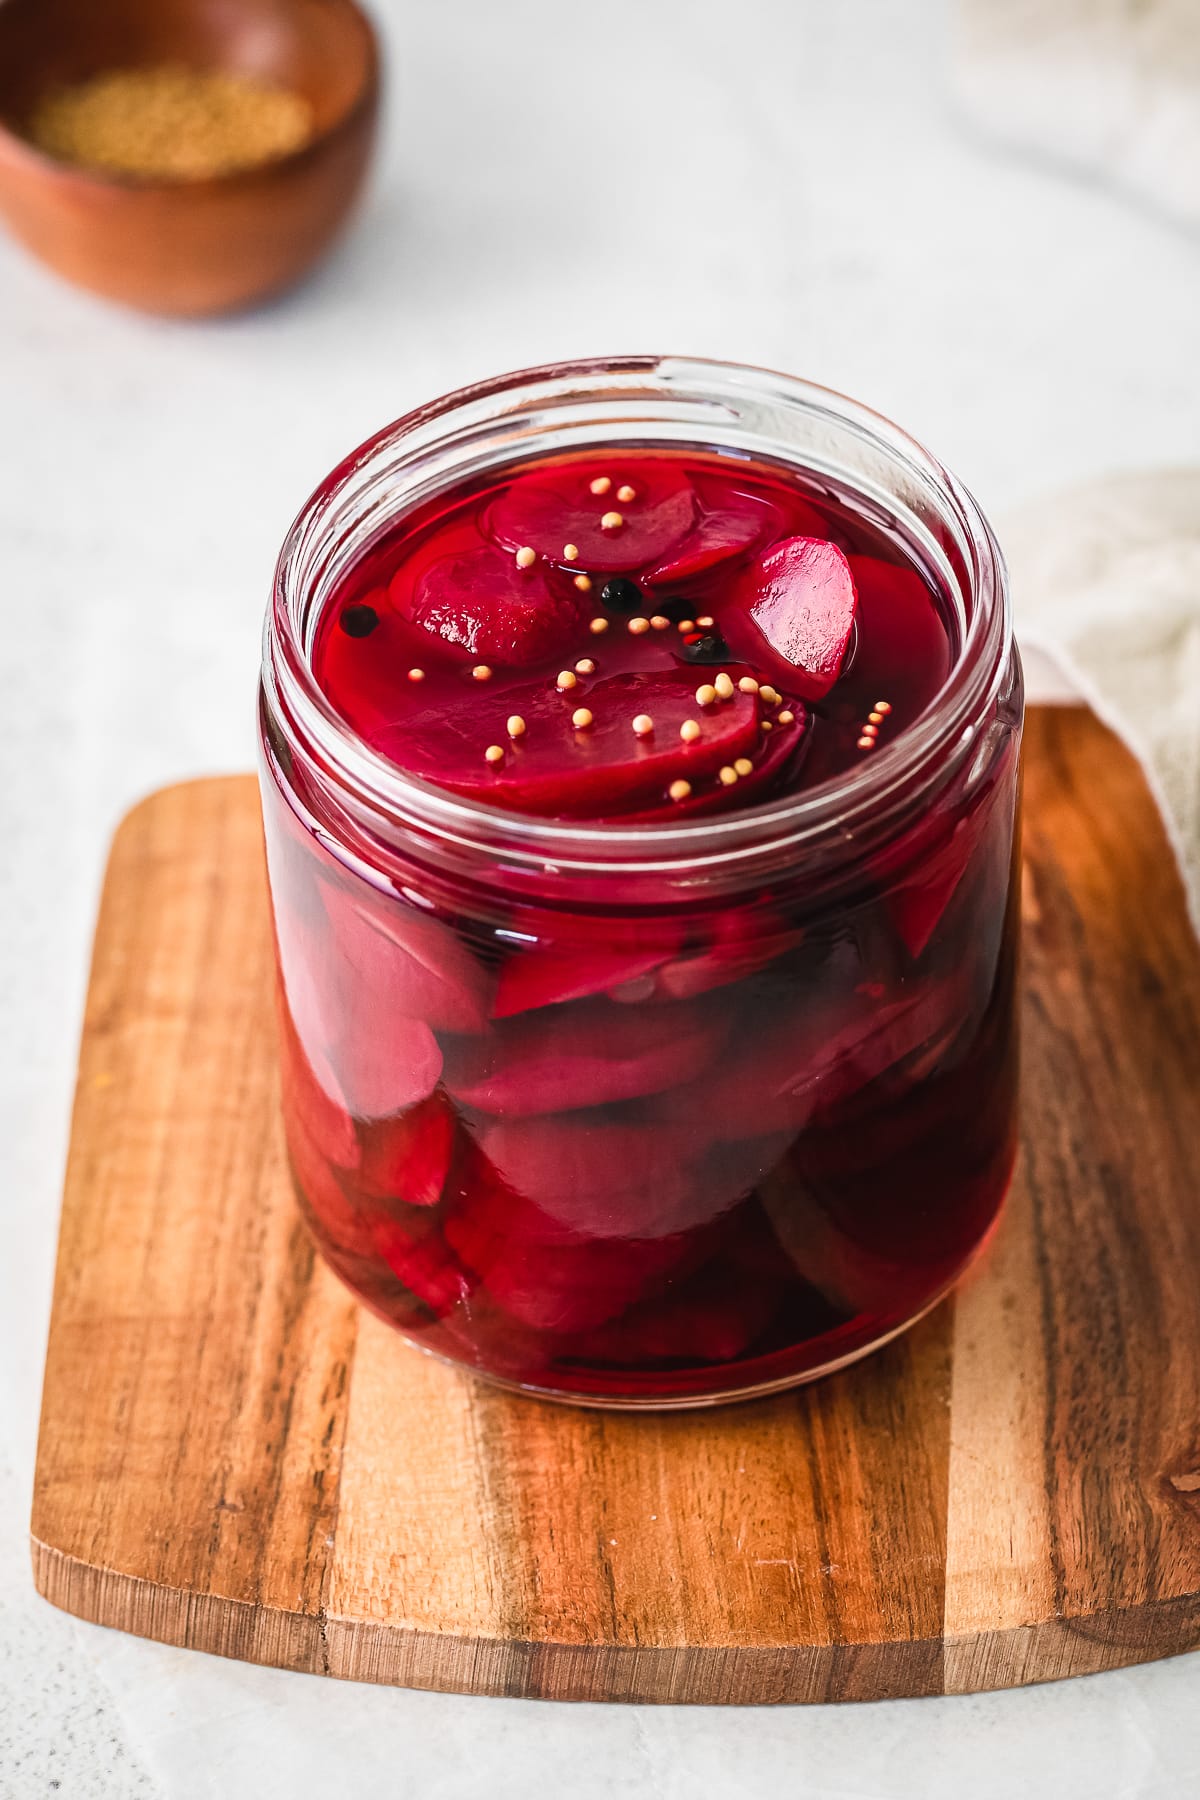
{"points": [[780, 182]]}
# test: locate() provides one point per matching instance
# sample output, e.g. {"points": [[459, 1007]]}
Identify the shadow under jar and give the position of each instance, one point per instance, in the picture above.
{"points": [[645, 1104]]}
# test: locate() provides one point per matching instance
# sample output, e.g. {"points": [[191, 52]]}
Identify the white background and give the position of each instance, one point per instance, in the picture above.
{"points": [[781, 181]]}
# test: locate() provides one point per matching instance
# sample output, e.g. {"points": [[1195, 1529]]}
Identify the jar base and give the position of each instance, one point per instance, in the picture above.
{"points": [[759, 1390]]}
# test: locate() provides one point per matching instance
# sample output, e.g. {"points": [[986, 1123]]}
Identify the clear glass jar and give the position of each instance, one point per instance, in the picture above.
{"points": [[778, 1118]]}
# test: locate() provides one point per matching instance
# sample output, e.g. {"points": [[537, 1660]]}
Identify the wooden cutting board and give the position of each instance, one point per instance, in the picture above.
{"points": [[233, 1456]]}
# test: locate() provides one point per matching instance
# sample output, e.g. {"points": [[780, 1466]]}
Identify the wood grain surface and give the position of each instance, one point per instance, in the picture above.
{"points": [[233, 1456]]}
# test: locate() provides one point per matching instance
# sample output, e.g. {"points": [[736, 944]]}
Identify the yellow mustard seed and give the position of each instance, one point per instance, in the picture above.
{"points": [[171, 123]]}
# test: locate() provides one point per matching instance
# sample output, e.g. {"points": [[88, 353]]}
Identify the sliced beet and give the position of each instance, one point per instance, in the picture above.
{"points": [[773, 755], [851, 1276], [585, 1054], [536, 978], [748, 1103], [600, 1179], [408, 1158], [731, 526], [385, 1061], [406, 962], [917, 905], [802, 598], [416, 1252], [312, 1094], [495, 610], [559, 1286], [903, 649], [305, 986], [485, 1206], [736, 944], [811, 1052], [346, 1225], [558, 769], [551, 509], [576, 962], [933, 864], [714, 1319]]}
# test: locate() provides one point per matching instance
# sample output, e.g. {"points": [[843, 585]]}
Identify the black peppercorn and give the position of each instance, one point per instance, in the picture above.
{"points": [[622, 595], [358, 621], [711, 648]]}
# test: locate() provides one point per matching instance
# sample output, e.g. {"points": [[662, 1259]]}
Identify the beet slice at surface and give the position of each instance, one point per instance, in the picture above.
{"points": [[483, 601], [903, 651], [801, 598], [581, 1055], [554, 767], [550, 509], [772, 754], [730, 525]]}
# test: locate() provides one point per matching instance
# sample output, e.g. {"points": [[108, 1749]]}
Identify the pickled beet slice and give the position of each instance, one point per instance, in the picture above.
{"points": [[715, 1319], [312, 1094], [802, 598], [851, 1276], [416, 1252], [560, 1286], [815, 1053], [385, 1060], [739, 943], [535, 978], [917, 906], [613, 952], [408, 1158], [773, 755], [554, 767], [903, 650], [495, 610], [304, 986], [322, 1194], [600, 1179], [917, 902], [404, 962], [549, 510], [581, 1055], [732, 526]]}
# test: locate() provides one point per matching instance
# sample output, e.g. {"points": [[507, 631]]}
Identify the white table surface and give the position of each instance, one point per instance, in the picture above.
{"points": [[783, 181]]}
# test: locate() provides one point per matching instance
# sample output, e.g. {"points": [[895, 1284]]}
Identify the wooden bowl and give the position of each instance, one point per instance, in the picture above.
{"points": [[188, 247]]}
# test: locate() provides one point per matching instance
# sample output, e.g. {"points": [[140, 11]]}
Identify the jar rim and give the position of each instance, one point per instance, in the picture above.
{"points": [[488, 424]]}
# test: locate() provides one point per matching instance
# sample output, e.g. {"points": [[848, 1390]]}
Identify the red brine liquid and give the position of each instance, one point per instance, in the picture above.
{"points": [[650, 1153]]}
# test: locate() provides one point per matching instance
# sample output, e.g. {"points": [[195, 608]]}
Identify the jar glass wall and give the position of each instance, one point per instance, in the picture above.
{"points": [[665, 1114]]}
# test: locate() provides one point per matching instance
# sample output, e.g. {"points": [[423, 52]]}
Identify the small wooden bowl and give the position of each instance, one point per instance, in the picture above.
{"points": [[188, 247]]}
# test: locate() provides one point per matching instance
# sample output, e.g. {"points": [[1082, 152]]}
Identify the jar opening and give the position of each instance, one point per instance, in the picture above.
{"points": [[651, 402]]}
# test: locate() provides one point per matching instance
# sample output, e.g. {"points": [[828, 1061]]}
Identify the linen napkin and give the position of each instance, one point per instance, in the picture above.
{"points": [[1111, 87], [1106, 578]]}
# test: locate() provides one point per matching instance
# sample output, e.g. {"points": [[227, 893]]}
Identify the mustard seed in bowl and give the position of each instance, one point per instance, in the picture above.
{"points": [[171, 123]]}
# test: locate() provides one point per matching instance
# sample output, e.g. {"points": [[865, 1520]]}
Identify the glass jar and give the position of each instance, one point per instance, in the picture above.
{"points": [[769, 1117]]}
